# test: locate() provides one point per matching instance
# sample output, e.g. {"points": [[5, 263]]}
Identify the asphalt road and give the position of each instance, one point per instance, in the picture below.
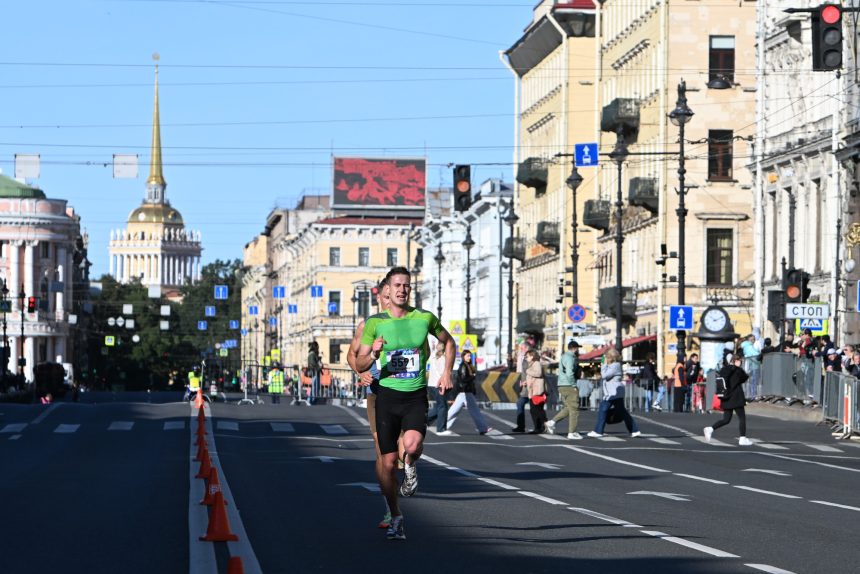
{"points": [[109, 487]]}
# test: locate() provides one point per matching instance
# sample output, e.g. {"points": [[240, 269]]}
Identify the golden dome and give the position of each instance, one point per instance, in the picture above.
{"points": [[155, 213]]}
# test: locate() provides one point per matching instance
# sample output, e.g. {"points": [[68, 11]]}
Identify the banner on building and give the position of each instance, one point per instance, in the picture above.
{"points": [[371, 183]]}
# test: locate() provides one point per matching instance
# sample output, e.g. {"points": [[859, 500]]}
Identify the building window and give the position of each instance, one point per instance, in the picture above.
{"points": [[46, 250], [333, 351], [722, 58], [364, 256], [720, 257], [334, 256], [334, 303], [364, 303], [720, 155], [391, 257]]}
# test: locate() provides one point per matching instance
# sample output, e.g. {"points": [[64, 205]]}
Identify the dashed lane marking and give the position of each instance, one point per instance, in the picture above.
{"points": [[845, 506], [661, 440], [824, 448], [121, 426], [762, 491], [770, 446], [44, 415], [282, 427], [174, 425], [689, 544], [228, 425], [769, 569], [66, 429], [15, 437], [702, 478], [14, 427], [350, 412], [334, 429]]}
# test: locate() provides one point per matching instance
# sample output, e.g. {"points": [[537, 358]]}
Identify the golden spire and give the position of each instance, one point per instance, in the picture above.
{"points": [[155, 175]]}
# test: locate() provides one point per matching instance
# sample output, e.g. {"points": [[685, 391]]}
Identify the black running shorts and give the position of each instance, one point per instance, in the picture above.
{"points": [[398, 411]]}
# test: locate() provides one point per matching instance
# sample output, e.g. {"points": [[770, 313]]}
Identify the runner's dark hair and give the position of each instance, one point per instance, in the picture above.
{"points": [[396, 271]]}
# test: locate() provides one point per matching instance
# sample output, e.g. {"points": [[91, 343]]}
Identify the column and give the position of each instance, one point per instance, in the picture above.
{"points": [[29, 354], [49, 348], [14, 284], [110, 262], [157, 261], [60, 348], [184, 269], [29, 287], [62, 267], [14, 344]]}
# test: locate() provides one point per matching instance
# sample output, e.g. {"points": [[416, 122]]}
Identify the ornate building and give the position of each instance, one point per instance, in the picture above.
{"points": [[155, 247]]}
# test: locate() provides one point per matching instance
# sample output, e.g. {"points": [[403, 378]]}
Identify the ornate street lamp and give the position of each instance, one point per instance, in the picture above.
{"points": [[511, 220], [468, 244], [573, 181], [679, 117], [618, 154], [439, 259]]}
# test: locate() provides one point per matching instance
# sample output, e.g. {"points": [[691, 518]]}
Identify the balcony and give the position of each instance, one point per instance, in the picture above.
{"points": [[643, 193], [606, 303], [620, 113], [531, 321], [533, 172], [514, 248], [596, 215], [547, 234]]}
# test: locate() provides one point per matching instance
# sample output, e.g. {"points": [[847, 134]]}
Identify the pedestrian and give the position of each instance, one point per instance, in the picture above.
{"points": [[569, 372], [522, 361], [276, 384], [439, 412], [752, 364], [466, 394], [679, 383], [692, 370], [612, 386], [733, 399], [832, 362], [853, 368], [536, 384], [314, 370], [649, 380]]}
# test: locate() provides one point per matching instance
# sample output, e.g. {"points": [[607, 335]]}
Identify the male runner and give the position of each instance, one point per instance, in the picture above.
{"points": [[370, 379], [398, 339]]}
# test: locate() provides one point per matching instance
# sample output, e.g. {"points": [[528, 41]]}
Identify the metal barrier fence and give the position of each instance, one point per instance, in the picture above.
{"points": [[840, 405], [788, 376]]}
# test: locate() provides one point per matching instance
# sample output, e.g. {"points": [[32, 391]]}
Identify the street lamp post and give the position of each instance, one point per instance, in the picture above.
{"points": [[511, 219], [573, 182], [468, 244], [439, 259], [618, 155], [354, 300], [5, 303], [679, 117], [21, 360]]}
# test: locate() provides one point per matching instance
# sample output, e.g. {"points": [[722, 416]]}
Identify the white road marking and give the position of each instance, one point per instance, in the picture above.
{"points": [[174, 425], [824, 448], [552, 436], [770, 445], [767, 471], [497, 435], [613, 459], [121, 425], [667, 495], [15, 437], [770, 569], [772, 493], [357, 417], [14, 427], [712, 442], [370, 486], [547, 465], [661, 440], [201, 555], [228, 425], [604, 517], [45, 414], [334, 429], [692, 545], [845, 506], [824, 464], [611, 439], [432, 460], [497, 483], [323, 459], [282, 427], [434, 431], [702, 478], [66, 429], [542, 498]]}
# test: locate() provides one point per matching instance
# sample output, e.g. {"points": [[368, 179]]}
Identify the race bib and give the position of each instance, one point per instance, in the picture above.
{"points": [[403, 363]]}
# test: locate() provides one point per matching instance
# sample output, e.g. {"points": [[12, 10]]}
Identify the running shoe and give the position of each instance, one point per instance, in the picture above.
{"points": [[594, 434], [386, 521], [550, 427], [395, 529], [445, 433], [574, 436], [708, 431], [744, 441], [636, 434], [410, 481]]}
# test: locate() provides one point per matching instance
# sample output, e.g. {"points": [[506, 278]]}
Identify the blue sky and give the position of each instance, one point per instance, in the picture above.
{"points": [[255, 98]]}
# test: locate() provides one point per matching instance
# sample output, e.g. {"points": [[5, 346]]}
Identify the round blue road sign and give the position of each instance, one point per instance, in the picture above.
{"points": [[576, 313]]}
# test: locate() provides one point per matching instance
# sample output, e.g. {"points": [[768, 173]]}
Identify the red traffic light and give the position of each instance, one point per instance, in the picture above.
{"points": [[31, 304], [831, 13]]}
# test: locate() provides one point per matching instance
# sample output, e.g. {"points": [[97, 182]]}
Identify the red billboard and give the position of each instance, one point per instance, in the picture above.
{"points": [[379, 183]]}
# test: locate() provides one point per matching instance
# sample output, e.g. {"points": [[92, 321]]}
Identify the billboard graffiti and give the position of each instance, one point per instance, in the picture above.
{"points": [[384, 183]]}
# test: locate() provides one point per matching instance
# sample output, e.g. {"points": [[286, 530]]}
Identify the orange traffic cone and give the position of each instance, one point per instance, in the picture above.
{"points": [[213, 485], [201, 429], [200, 440], [198, 402], [219, 526], [201, 415], [202, 451], [205, 467], [234, 566]]}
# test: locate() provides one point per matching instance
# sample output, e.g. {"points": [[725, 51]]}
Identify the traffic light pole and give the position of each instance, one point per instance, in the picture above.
{"points": [[782, 309]]}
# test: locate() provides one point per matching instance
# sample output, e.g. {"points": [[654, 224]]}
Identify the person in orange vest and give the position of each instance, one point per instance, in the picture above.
{"points": [[679, 385]]}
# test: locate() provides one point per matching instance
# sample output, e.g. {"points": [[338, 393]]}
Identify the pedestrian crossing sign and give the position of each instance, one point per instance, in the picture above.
{"points": [[457, 327], [469, 343], [224, 352], [276, 354], [817, 326], [110, 341]]}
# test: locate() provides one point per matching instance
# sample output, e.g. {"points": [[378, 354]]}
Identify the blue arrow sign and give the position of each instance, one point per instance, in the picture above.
{"points": [[332, 308], [585, 154], [279, 291], [201, 325], [210, 311], [234, 324], [273, 321], [316, 291], [244, 332], [293, 309], [680, 317], [221, 292], [253, 310]]}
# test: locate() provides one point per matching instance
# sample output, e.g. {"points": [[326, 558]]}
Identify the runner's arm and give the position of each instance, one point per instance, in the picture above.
{"points": [[445, 338], [354, 345]]}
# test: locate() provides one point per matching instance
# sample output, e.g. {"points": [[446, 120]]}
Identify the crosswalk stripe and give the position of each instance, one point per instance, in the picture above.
{"points": [[121, 425], [551, 436], [174, 425], [824, 448], [334, 429], [13, 427], [712, 442], [282, 427], [228, 425], [771, 446], [499, 436], [661, 440], [15, 437], [434, 431], [66, 429], [611, 439]]}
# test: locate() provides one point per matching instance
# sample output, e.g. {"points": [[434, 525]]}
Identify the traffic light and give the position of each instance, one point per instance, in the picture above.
{"points": [[827, 37], [374, 294], [797, 286], [462, 187], [31, 304]]}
